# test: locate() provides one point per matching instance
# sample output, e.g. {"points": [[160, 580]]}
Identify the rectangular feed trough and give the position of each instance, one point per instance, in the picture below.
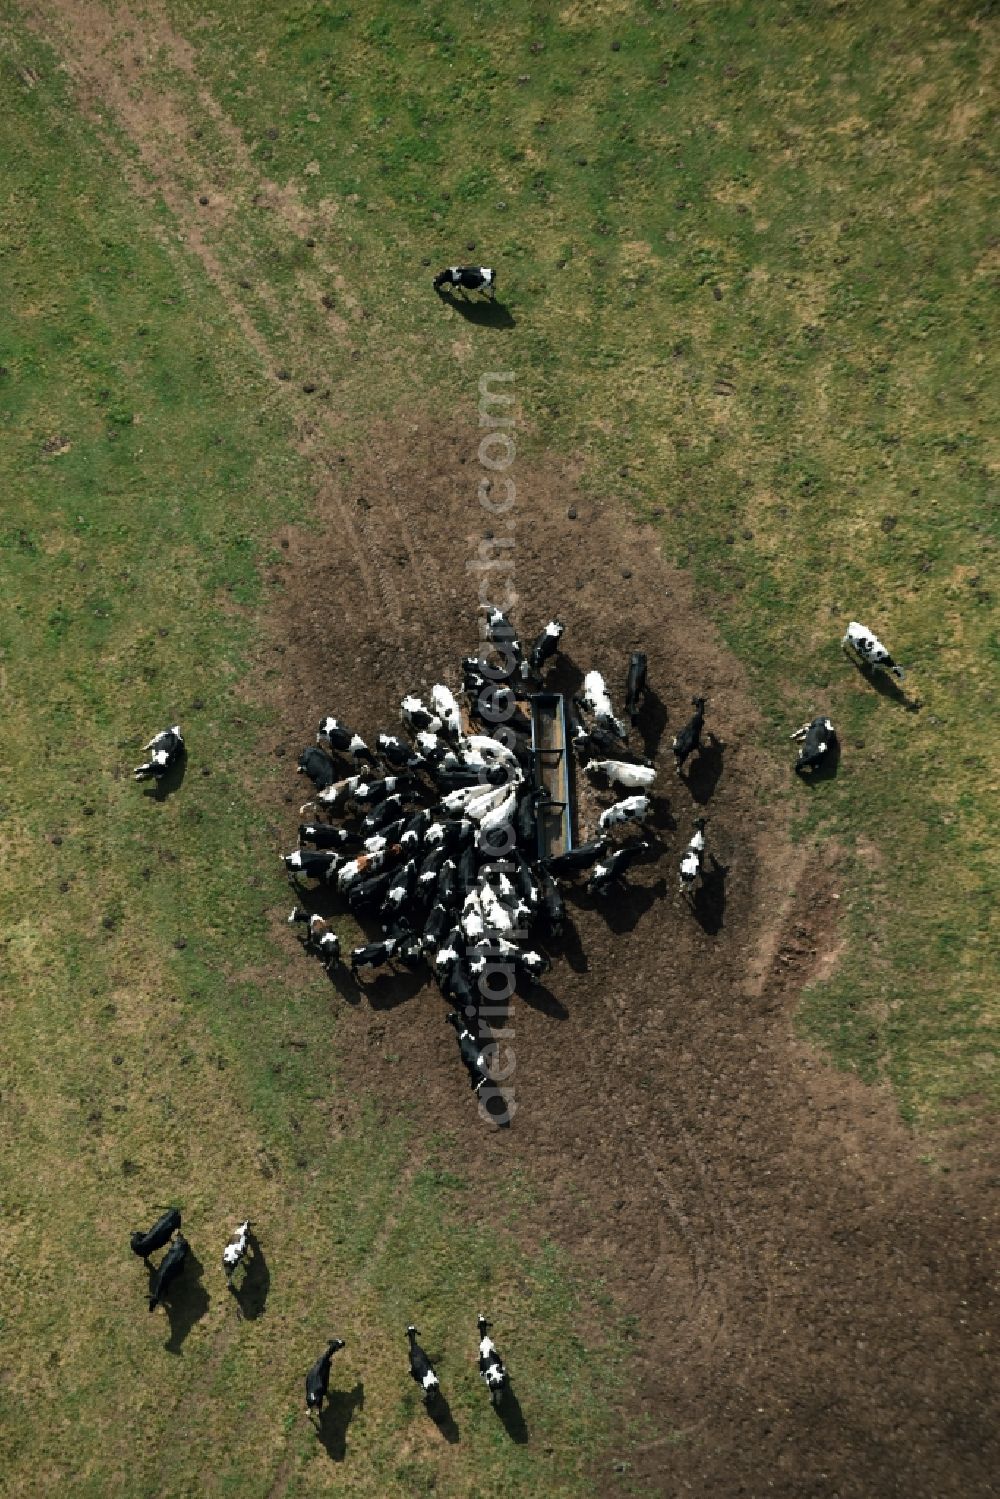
{"points": [[549, 745]]}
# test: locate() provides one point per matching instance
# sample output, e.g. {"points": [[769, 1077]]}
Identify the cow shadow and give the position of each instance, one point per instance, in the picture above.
{"points": [[827, 768], [625, 907], [251, 1296], [705, 769], [661, 816], [484, 312], [709, 900], [440, 1413], [510, 1413], [389, 991], [345, 983], [336, 1417], [569, 945], [540, 998], [651, 722], [185, 1302], [886, 686], [164, 786]]}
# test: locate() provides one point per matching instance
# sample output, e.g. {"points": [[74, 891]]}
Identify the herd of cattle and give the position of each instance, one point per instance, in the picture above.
{"points": [[436, 839], [432, 835], [167, 1231]]}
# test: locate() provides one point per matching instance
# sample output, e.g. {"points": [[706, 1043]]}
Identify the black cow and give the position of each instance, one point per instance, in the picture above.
{"points": [[318, 1378], [170, 1267], [689, 739], [161, 1233], [635, 683], [614, 866], [318, 766], [580, 857]]}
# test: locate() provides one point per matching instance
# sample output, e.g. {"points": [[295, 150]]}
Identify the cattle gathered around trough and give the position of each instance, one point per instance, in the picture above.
{"points": [[434, 845]]}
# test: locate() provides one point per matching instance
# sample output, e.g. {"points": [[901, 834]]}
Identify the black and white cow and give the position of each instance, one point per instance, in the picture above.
{"points": [[491, 1367], [597, 701], [235, 1250], [635, 683], [689, 739], [417, 717], [398, 753], [339, 737], [470, 1050], [167, 748], [580, 857], [320, 937], [868, 649], [313, 863], [325, 835], [372, 955], [318, 1378], [466, 278], [555, 906], [421, 1368], [818, 738], [690, 865], [162, 1231], [629, 809], [170, 1267], [608, 870], [545, 644]]}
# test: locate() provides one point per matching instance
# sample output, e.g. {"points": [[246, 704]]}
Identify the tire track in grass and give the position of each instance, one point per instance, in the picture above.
{"points": [[105, 58]]}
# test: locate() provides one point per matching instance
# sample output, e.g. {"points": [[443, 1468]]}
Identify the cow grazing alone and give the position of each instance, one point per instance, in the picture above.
{"points": [[545, 644], [235, 1250], [630, 809], [170, 1267], [467, 278], [596, 700], [868, 649], [689, 739], [166, 749], [690, 865], [162, 1231], [491, 1368], [623, 773], [421, 1368], [318, 766], [635, 684], [318, 1378], [818, 738]]}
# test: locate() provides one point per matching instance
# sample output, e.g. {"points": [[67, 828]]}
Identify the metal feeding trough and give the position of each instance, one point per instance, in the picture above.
{"points": [[549, 747]]}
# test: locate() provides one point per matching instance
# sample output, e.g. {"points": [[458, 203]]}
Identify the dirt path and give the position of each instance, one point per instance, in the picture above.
{"points": [[813, 1313]]}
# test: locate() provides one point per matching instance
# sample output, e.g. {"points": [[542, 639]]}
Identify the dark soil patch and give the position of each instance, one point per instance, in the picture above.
{"points": [[812, 1309]]}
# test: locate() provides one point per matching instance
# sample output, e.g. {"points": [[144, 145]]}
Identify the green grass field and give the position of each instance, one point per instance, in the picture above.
{"points": [[751, 263]]}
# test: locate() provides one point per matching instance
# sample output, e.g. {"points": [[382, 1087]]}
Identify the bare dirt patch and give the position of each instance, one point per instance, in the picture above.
{"points": [[812, 1312]]}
